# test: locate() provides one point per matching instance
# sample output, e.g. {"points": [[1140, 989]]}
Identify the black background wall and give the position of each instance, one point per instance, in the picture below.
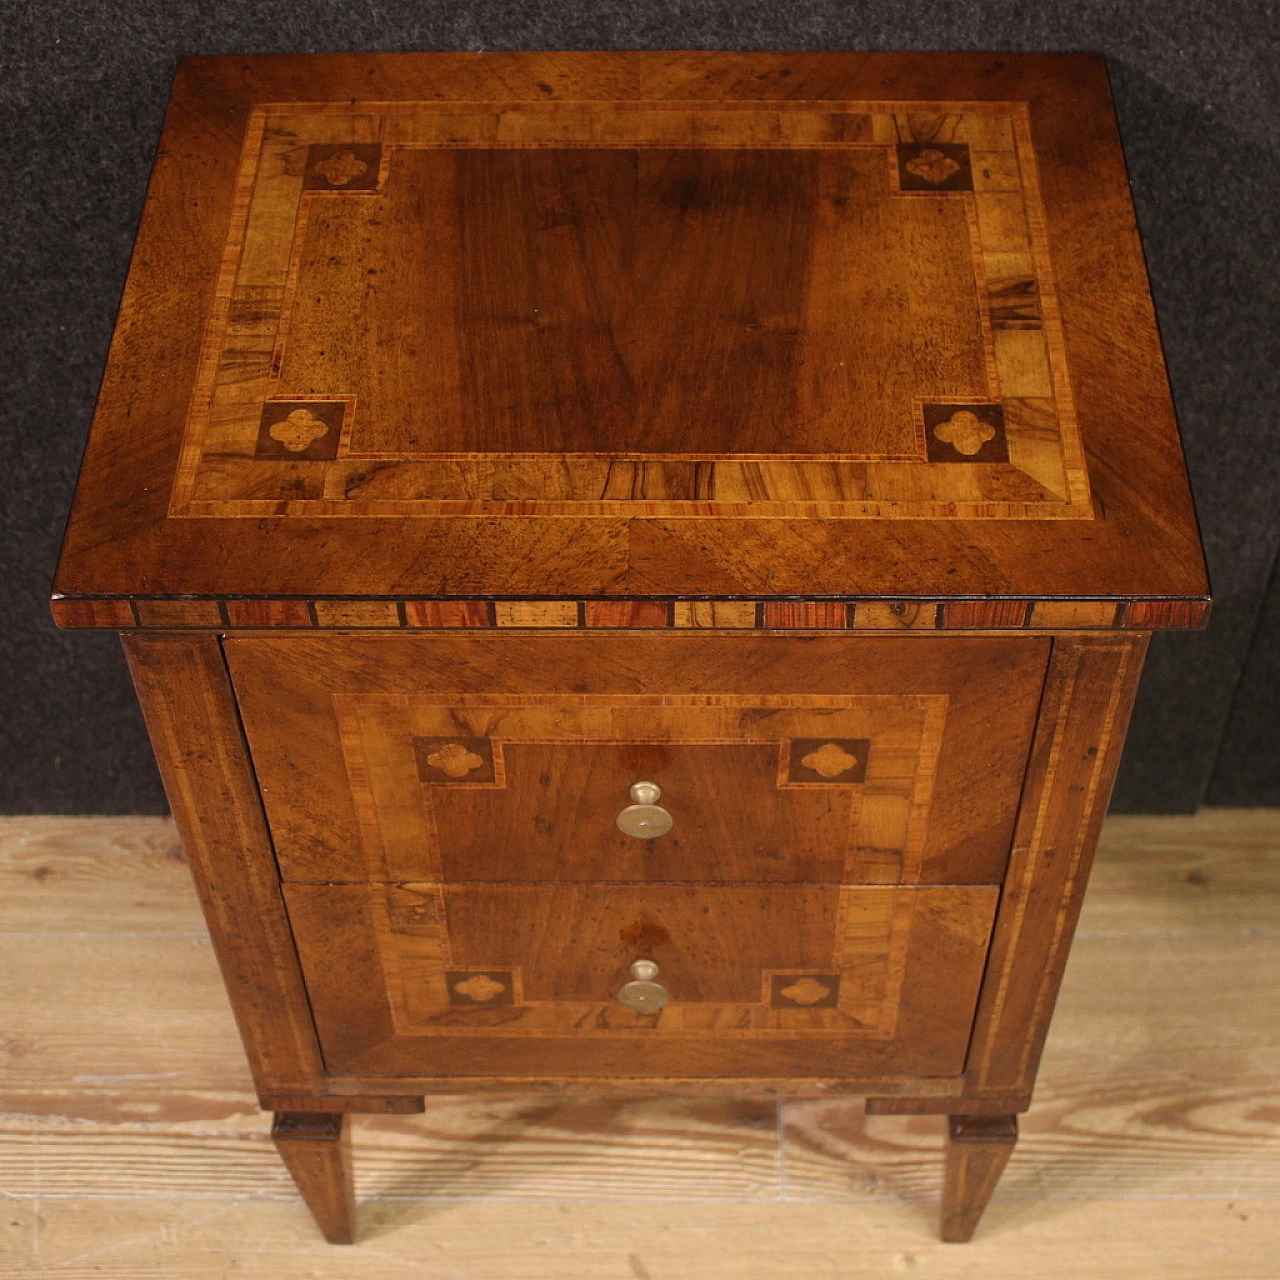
{"points": [[83, 86]]}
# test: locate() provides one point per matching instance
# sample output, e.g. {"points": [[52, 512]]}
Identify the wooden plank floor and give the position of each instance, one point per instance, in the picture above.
{"points": [[131, 1146]]}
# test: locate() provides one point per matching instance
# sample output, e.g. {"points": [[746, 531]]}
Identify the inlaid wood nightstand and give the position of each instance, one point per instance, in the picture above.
{"points": [[636, 568]]}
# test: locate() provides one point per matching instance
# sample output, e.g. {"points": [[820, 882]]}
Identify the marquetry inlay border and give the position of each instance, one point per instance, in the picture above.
{"points": [[891, 742], [399, 755], [730, 615], [862, 999], [1014, 453]]}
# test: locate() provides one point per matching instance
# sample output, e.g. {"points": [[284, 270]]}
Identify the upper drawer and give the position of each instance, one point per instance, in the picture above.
{"points": [[506, 759]]}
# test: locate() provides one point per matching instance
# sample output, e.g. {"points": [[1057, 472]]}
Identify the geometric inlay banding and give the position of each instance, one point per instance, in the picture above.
{"points": [[537, 351]]}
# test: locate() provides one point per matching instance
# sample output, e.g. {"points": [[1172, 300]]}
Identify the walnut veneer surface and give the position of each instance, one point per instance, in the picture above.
{"points": [[635, 325], [485, 434]]}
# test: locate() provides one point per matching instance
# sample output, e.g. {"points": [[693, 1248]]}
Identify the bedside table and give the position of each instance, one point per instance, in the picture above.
{"points": [[636, 568]]}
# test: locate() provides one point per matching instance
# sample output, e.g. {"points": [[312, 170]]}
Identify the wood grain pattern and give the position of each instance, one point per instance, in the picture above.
{"points": [[446, 613], [1165, 613], [55, 868], [978, 1148], [706, 1235], [897, 615], [626, 613], [1069, 614], [94, 613], [1210, 873], [733, 614], [540, 803], [799, 615], [1066, 348], [268, 613], [985, 613], [316, 1149], [736, 817], [191, 717], [201, 614], [721, 953], [1088, 696], [528, 397], [347, 1105], [566, 293], [549, 613], [358, 613], [1087, 1137], [109, 1040]]}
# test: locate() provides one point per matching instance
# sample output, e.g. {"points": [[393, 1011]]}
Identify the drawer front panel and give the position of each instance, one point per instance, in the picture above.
{"points": [[480, 759], [735, 813], [428, 980], [537, 797]]}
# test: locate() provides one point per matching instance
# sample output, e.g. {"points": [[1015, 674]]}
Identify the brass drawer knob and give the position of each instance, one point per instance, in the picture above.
{"points": [[643, 994], [645, 818]]}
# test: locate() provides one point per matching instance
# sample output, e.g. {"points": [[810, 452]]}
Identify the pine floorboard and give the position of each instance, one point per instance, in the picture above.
{"points": [[130, 1144]]}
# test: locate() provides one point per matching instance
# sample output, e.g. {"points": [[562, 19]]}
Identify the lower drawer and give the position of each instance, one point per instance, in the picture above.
{"points": [[430, 980]]}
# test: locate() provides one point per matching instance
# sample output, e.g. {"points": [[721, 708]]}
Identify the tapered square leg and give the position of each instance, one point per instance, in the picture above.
{"points": [[978, 1148], [316, 1149]]}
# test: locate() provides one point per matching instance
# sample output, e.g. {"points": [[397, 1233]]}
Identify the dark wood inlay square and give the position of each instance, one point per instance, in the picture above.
{"points": [[965, 433], [626, 613], [934, 166], [805, 613], [985, 613], [454, 759], [343, 166], [1168, 613], [94, 613], [301, 430], [804, 990], [837, 760], [268, 613], [480, 988]]}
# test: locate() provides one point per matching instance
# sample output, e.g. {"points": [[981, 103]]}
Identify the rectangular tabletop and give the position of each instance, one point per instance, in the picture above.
{"points": [[651, 326]]}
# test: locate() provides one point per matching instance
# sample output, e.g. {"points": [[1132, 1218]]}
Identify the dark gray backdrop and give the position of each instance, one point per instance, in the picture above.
{"points": [[83, 87]]}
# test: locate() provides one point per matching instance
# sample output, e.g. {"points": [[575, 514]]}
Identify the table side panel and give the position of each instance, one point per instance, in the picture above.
{"points": [[1088, 698], [191, 715]]}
